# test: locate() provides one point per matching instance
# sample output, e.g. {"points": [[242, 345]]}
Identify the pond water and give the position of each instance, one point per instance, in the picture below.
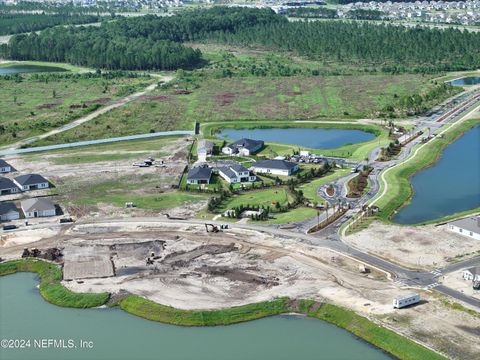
{"points": [[18, 68], [469, 80], [451, 185], [315, 138], [118, 335]]}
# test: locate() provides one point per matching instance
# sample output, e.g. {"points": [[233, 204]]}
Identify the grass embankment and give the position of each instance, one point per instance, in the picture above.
{"points": [[357, 151], [389, 341], [310, 189], [50, 287], [399, 187]]}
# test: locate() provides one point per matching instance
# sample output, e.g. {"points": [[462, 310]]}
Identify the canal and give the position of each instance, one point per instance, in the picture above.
{"points": [[19, 69], [315, 138], [118, 335], [449, 186]]}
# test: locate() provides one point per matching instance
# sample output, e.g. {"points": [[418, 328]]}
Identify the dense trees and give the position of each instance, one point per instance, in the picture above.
{"points": [[152, 42]]}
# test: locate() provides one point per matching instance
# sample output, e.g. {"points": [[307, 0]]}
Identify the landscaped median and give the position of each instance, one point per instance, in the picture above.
{"points": [[53, 291], [399, 189]]}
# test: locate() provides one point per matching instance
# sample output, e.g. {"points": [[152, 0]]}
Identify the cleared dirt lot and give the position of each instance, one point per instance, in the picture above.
{"points": [[424, 247]]}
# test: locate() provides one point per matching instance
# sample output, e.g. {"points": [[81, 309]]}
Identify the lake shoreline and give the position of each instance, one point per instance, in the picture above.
{"points": [[364, 328]]}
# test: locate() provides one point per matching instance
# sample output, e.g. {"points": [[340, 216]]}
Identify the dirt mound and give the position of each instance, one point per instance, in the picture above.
{"points": [[182, 92], [98, 101], [225, 99], [48, 105], [155, 97]]}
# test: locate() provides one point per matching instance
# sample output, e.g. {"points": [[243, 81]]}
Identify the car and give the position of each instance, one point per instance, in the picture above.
{"points": [[10, 227]]}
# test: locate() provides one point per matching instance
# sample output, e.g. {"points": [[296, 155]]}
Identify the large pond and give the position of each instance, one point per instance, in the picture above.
{"points": [[118, 335], [315, 138], [469, 80], [451, 185], [18, 68]]}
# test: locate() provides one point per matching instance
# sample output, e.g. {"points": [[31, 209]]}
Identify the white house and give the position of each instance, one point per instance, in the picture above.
{"points": [[236, 173], [7, 186], [472, 274], [204, 149], [243, 147], [199, 175], [275, 167], [469, 227], [38, 207], [8, 211], [5, 167], [31, 182]]}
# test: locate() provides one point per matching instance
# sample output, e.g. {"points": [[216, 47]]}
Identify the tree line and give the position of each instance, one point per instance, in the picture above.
{"points": [[152, 42]]}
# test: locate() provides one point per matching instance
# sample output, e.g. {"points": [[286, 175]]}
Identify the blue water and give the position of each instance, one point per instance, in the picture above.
{"points": [[118, 335], [315, 138], [17, 69], [470, 80], [449, 186]]}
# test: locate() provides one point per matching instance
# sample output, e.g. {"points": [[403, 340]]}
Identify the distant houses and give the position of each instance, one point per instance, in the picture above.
{"points": [[5, 167], [31, 182], [469, 227], [275, 167], [243, 147], [38, 207], [7, 186], [236, 173], [199, 175], [8, 211], [472, 274]]}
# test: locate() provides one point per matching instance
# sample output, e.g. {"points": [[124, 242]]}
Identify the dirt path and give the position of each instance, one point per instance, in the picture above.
{"points": [[94, 114]]}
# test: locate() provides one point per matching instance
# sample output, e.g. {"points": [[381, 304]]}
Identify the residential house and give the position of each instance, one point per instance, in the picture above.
{"points": [[469, 227], [199, 175], [243, 147], [8, 211], [7, 186], [236, 173], [472, 274], [275, 167], [38, 207], [4, 167], [31, 182], [204, 149]]}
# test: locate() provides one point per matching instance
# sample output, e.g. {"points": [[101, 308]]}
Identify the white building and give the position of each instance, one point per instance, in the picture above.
{"points": [[31, 182], [38, 207], [8, 211], [204, 149], [236, 173], [405, 300], [5, 167], [469, 227], [243, 147], [200, 175], [275, 167], [472, 274]]}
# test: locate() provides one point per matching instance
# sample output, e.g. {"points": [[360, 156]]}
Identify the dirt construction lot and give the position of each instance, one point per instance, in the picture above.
{"points": [[192, 269], [425, 247]]}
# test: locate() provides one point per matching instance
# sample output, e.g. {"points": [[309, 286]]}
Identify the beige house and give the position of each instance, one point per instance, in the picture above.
{"points": [[39, 207]]}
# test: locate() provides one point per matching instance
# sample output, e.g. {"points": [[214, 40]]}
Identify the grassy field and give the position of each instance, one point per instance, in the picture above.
{"points": [[399, 187], [33, 105], [310, 189], [50, 287], [294, 215], [257, 198]]}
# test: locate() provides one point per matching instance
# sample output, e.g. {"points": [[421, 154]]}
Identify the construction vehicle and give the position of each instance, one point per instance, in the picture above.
{"points": [[214, 228]]}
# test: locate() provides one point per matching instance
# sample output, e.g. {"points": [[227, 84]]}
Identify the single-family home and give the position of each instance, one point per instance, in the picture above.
{"points": [[38, 207], [199, 175], [472, 274], [204, 149], [275, 167], [236, 173], [31, 182], [7, 186], [243, 147], [469, 226], [8, 211], [5, 167]]}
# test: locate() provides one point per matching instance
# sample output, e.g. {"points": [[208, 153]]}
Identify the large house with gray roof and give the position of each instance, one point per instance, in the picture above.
{"points": [[469, 226], [38, 207], [275, 167], [31, 182], [243, 147], [7, 186], [8, 211], [236, 173], [199, 175]]}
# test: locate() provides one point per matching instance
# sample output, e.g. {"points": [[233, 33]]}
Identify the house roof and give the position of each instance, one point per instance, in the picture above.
{"points": [[205, 144], [238, 168], [6, 183], [227, 171], [474, 270], [199, 173], [249, 144], [274, 164], [469, 224], [3, 163], [37, 204], [7, 207], [30, 179]]}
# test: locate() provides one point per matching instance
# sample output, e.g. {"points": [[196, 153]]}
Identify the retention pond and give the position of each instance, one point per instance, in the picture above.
{"points": [[117, 335], [18, 69]]}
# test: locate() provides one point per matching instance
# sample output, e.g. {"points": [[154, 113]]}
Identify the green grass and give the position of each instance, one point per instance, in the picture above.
{"points": [[32, 106], [91, 158], [310, 189], [294, 215], [386, 339], [257, 198], [399, 187], [50, 287]]}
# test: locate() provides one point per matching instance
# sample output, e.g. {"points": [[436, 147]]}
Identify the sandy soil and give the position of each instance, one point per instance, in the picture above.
{"points": [[455, 281], [424, 247]]}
